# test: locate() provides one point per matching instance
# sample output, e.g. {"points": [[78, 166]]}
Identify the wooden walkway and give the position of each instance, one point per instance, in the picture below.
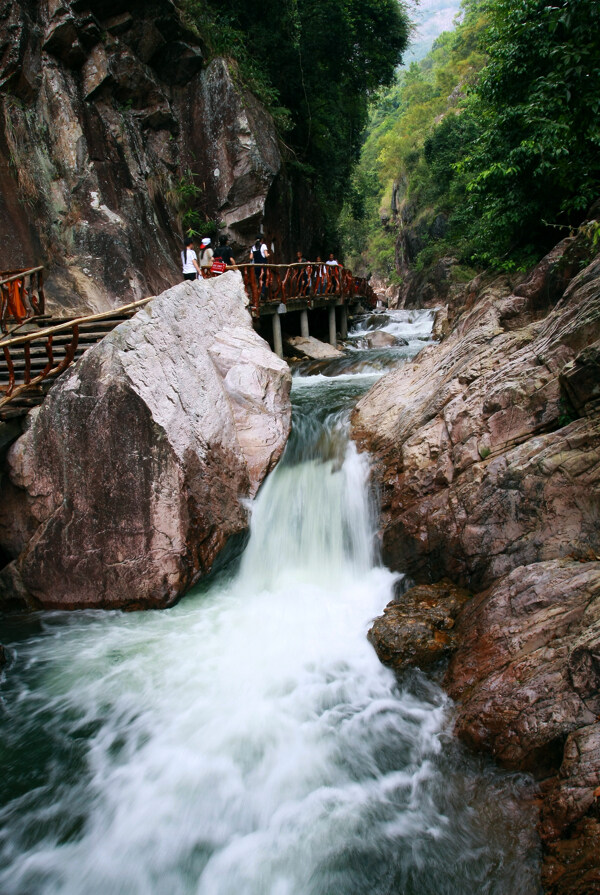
{"points": [[37, 348]]}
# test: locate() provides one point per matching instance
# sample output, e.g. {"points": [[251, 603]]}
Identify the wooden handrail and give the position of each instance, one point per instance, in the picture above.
{"points": [[20, 274], [75, 321]]}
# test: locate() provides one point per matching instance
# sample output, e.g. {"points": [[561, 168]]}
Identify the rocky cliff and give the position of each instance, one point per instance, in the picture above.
{"points": [[109, 112], [487, 457], [129, 479]]}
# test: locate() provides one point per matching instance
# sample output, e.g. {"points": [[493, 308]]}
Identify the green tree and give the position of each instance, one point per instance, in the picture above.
{"points": [[537, 158], [321, 60]]}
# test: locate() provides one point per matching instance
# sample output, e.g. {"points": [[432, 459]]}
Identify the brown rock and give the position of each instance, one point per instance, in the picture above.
{"points": [[580, 380], [478, 473], [576, 789], [418, 627], [381, 340], [310, 347], [525, 672], [571, 865]]}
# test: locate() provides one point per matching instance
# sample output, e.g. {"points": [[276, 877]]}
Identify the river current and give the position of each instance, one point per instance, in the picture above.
{"points": [[248, 741]]}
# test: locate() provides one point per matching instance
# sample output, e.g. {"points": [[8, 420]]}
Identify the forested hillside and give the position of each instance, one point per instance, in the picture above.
{"points": [[489, 149]]}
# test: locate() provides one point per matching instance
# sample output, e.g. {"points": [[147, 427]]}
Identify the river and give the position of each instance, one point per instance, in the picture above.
{"points": [[248, 741]]}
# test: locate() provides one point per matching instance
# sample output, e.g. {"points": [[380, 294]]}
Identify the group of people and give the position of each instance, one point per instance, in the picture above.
{"points": [[203, 265], [209, 261]]}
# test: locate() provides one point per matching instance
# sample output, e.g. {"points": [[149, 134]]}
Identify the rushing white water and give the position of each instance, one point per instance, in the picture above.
{"points": [[248, 741]]}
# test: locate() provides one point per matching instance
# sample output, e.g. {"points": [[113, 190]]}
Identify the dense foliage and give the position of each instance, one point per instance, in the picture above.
{"points": [[497, 130], [317, 63]]}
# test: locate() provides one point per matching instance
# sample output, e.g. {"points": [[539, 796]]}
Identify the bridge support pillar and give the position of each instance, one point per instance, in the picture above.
{"points": [[304, 324], [332, 336], [277, 342], [343, 321]]}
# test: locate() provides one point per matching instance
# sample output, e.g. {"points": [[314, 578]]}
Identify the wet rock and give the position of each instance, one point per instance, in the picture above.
{"points": [[311, 348], [129, 481], [3, 659], [571, 864], [441, 324], [62, 40], [526, 673], [380, 339], [417, 628], [487, 461], [575, 792]]}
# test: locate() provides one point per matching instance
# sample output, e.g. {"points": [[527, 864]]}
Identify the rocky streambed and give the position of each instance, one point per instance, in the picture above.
{"points": [[487, 460]]}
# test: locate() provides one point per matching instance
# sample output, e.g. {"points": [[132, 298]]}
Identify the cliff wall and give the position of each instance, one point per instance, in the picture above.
{"points": [[109, 110], [487, 459]]}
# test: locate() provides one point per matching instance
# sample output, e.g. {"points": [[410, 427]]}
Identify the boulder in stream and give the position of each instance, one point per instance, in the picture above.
{"points": [[417, 628], [311, 348], [130, 477], [380, 339]]}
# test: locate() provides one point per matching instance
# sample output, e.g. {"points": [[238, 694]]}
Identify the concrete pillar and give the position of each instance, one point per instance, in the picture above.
{"points": [[304, 324], [277, 343], [332, 336], [344, 322]]}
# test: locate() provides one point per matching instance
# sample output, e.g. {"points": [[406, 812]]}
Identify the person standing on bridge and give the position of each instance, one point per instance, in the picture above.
{"points": [[206, 257], [259, 253], [189, 260], [223, 251]]}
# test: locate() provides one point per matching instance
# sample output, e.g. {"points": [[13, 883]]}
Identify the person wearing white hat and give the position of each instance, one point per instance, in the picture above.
{"points": [[206, 256]]}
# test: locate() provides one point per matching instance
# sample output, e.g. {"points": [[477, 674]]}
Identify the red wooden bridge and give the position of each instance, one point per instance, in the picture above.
{"points": [[36, 347]]}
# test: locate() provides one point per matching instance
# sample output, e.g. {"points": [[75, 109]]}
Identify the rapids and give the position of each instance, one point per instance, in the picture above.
{"points": [[248, 741]]}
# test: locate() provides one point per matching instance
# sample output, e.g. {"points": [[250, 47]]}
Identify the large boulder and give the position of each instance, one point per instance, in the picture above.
{"points": [[526, 672], [309, 347], [130, 477]]}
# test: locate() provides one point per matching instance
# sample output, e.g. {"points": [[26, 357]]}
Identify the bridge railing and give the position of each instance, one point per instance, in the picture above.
{"points": [[21, 381], [21, 295], [279, 283]]}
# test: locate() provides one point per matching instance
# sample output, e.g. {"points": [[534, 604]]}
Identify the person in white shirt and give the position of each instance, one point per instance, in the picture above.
{"points": [[189, 260]]}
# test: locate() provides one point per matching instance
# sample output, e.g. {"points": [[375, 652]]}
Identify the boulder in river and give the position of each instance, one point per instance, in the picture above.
{"points": [[311, 348], [380, 339], [418, 627], [130, 477]]}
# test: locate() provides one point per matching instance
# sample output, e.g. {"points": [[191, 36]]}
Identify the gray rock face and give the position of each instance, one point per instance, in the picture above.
{"points": [[128, 482], [240, 148], [105, 118]]}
